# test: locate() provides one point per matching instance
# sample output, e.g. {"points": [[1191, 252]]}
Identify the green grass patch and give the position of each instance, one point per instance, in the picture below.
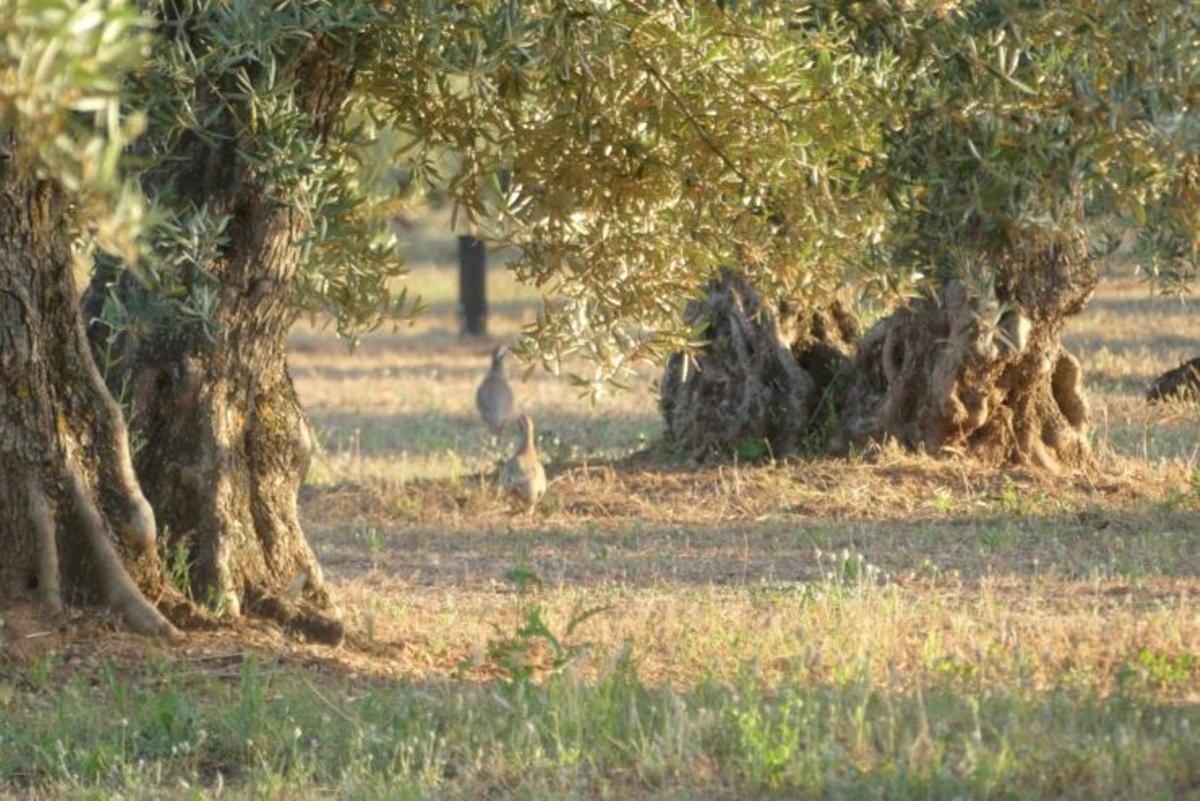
{"points": [[265, 731]]}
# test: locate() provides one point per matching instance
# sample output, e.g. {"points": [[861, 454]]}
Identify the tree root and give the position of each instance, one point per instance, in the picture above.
{"points": [[136, 525], [117, 589], [306, 619], [49, 585]]}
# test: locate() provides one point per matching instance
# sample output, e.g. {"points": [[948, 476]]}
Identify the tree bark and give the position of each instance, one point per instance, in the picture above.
{"points": [[761, 375], [226, 443], [982, 373], [74, 525]]}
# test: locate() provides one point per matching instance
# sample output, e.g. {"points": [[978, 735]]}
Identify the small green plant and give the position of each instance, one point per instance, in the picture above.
{"points": [[943, 500], [827, 418], [177, 562], [217, 602], [515, 656], [373, 539], [1165, 670], [753, 449], [847, 569], [1010, 497], [42, 671], [523, 578], [176, 557]]}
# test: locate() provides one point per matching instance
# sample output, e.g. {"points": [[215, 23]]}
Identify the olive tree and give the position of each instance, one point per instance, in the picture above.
{"points": [[1026, 127], [636, 153], [245, 160], [629, 151], [653, 153]]}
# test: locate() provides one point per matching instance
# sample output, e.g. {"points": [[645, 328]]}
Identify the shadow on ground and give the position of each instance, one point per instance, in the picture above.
{"points": [[637, 522]]}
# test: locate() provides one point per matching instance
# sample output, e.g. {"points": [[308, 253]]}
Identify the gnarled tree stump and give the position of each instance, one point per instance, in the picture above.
{"points": [[984, 375], [1180, 384], [761, 375]]}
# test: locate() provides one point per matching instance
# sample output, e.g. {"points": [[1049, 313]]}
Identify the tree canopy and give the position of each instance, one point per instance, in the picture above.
{"points": [[632, 150], [62, 70], [1026, 122], [629, 150]]}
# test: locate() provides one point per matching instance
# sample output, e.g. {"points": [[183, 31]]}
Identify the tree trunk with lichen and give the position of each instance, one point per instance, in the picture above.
{"points": [[761, 376], [74, 524], [982, 373], [225, 443]]}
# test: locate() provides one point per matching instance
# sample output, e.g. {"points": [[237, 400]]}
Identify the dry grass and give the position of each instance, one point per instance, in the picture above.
{"points": [[985, 574], [902, 600]]}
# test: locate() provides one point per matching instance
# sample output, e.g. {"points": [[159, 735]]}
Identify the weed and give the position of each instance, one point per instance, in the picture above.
{"points": [[516, 655], [42, 670], [1164, 670], [373, 539], [849, 570], [177, 562], [752, 449], [1011, 499]]}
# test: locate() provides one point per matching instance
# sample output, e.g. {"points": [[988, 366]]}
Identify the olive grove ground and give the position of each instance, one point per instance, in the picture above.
{"points": [[890, 622]]}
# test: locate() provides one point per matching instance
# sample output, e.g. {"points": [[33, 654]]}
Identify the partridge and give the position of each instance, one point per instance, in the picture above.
{"points": [[523, 476], [494, 398]]}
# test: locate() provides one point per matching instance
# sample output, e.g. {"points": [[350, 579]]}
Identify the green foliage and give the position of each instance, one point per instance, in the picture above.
{"points": [[630, 150], [849, 571], [62, 64], [372, 538], [240, 82], [753, 449], [177, 564], [514, 656], [1024, 123], [1163, 670]]}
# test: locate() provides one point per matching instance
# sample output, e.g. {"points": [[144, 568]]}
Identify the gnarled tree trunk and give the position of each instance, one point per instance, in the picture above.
{"points": [[985, 375], [74, 525], [226, 443], [761, 375], [1181, 384]]}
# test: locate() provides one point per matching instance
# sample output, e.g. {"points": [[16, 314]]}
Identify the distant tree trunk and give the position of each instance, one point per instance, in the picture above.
{"points": [[472, 286], [987, 376], [1180, 384], [74, 525], [226, 443], [759, 378]]}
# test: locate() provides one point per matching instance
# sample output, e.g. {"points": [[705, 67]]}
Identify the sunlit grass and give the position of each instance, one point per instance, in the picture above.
{"points": [[245, 728], [884, 626]]}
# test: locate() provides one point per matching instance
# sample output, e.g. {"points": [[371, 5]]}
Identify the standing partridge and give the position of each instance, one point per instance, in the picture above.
{"points": [[523, 476], [494, 398]]}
